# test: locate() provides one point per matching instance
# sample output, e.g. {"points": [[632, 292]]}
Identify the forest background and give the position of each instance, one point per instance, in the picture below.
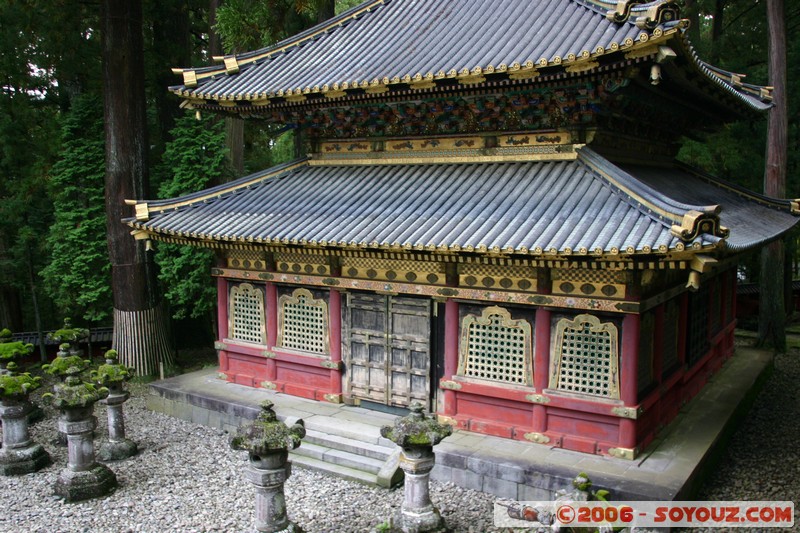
{"points": [[54, 259]]}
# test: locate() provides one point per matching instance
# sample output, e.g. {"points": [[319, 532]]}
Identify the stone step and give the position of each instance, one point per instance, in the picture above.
{"points": [[347, 444], [349, 429], [344, 472], [340, 457]]}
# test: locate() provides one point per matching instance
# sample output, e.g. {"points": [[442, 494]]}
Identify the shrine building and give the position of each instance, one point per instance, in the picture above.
{"points": [[490, 218]]}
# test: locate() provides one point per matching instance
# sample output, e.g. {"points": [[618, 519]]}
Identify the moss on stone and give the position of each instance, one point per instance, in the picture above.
{"points": [[112, 372], [68, 333], [18, 385], [12, 350]]}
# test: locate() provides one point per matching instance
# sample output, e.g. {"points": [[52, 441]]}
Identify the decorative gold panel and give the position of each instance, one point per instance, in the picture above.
{"points": [[351, 147], [428, 145], [247, 260], [496, 347], [303, 322], [302, 263], [246, 314], [497, 276], [534, 139], [394, 270], [584, 282], [586, 357]]}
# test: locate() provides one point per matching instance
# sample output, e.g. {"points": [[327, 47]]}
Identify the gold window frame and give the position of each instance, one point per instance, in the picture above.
{"points": [[303, 297], [247, 291], [468, 326], [582, 324]]}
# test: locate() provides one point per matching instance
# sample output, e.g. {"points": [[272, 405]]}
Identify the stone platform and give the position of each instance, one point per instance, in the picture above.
{"points": [[345, 440]]}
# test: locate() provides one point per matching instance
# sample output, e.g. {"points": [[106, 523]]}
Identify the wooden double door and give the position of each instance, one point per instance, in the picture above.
{"points": [[387, 345]]}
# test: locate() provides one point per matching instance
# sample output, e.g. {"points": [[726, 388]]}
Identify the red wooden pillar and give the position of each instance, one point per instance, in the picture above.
{"points": [[541, 365], [222, 320], [450, 353], [271, 304], [628, 372], [335, 333]]}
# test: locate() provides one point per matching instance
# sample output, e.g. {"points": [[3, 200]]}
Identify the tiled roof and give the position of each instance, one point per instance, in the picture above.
{"points": [[386, 42], [586, 206]]}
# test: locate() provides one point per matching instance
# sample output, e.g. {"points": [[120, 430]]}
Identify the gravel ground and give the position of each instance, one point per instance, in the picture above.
{"points": [[187, 479]]}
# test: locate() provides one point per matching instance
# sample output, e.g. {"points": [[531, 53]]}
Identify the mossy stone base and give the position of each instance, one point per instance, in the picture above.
{"points": [[291, 528], [19, 461], [117, 450], [397, 526], [87, 484]]}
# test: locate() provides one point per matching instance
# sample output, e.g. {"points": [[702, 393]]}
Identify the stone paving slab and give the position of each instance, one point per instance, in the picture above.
{"points": [[670, 469]]}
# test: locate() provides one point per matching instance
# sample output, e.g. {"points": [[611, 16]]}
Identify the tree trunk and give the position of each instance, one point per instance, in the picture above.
{"points": [[172, 45], [772, 313], [214, 44], [10, 300], [326, 10], [140, 323], [234, 140], [692, 12]]}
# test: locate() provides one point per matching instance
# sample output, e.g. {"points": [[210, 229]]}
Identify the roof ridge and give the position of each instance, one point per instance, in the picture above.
{"points": [[244, 182], [298, 39], [659, 205], [792, 205]]}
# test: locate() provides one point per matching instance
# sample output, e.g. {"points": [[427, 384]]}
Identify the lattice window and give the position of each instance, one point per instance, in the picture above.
{"points": [[716, 305], [303, 322], [730, 295], [246, 314], [586, 357], [697, 343], [669, 358], [495, 347]]}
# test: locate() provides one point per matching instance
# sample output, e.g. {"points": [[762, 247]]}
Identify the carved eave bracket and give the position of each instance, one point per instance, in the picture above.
{"points": [[695, 223], [658, 13], [623, 10]]}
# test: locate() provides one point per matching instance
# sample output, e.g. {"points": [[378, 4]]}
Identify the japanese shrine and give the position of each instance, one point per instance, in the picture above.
{"points": [[490, 219]]}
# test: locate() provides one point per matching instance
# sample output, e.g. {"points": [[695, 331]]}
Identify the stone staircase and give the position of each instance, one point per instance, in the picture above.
{"points": [[340, 440], [358, 460]]}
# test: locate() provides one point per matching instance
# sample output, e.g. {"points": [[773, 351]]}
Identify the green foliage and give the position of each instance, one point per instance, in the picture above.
{"points": [[78, 273], [244, 25], [193, 160]]}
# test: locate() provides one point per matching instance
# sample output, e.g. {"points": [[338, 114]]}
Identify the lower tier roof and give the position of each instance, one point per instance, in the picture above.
{"points": [[586, 206]]}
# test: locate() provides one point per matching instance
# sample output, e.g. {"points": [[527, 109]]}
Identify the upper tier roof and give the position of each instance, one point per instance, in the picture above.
{"points": [[584, 206], [411, 44]]}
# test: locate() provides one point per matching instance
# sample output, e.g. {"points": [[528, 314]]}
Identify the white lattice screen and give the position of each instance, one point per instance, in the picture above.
{"points": [[496, 348], [585, 358], [303, 322], [246, 314]]}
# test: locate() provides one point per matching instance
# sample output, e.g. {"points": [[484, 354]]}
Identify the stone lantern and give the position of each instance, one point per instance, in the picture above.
{"points": [[68, 334], [10, 350], [19, 454], [417, 434], [66, 360], [113, 376], [268, 441], [84, 477]]}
